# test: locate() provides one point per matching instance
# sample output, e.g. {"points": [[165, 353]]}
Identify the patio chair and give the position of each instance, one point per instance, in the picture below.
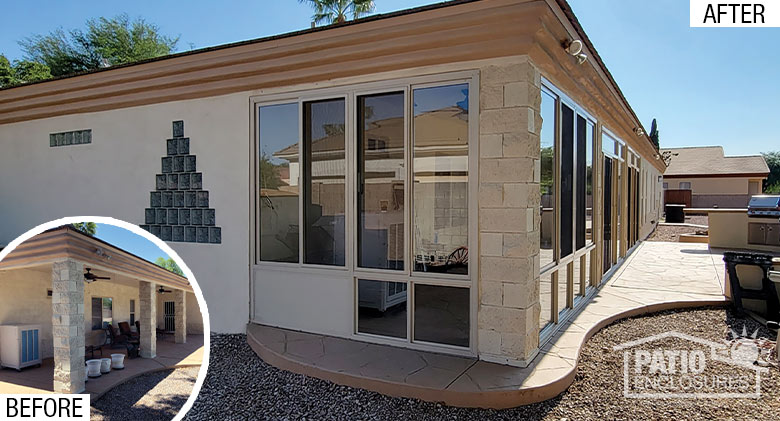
{"points": [[124, 329], [118, 339]]}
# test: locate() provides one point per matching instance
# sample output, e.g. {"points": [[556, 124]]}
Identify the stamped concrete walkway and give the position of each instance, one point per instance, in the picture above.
{"points": [[169, 355], [656, 276]]}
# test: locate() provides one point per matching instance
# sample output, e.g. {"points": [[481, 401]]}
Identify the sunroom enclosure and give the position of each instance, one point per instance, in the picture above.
{"points": [[373, 185]]}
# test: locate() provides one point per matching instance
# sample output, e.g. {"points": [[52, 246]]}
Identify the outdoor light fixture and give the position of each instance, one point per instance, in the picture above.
{"points": [[574, 47], [582, 58], [102, 253], [639, 131]]}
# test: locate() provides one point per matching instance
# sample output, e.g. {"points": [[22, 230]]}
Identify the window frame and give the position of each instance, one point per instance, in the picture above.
{"points": [[350, 93], [103, 318]]}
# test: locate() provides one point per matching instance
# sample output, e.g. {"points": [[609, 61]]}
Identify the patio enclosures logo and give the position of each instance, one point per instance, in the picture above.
{"points": [[676, 365], [708, 14]]}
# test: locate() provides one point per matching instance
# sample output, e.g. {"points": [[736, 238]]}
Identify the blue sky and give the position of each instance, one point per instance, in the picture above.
{"points": [[129, 241], [705, 86]]}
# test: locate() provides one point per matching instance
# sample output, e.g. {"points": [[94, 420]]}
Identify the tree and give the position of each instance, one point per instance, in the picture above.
{"points": [[337, 11], [772, 183], [89, 228], [21, 71], [106, 42], [654, 134], [169, 264]]}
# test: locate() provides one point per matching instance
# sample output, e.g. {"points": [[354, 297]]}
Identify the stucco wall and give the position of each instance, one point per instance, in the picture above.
{"points": [[114, 175], [719, 185]]}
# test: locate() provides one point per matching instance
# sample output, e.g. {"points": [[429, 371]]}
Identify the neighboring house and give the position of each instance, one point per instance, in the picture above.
{"points": [[46, 282], [446, 178], [714, 179]]}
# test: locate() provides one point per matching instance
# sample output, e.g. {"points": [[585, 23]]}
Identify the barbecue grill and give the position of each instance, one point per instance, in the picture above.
{"points": [[764, 206]]}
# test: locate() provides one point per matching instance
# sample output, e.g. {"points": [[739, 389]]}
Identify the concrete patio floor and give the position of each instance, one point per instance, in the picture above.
{"points": [[169, 355], [656, 276]]}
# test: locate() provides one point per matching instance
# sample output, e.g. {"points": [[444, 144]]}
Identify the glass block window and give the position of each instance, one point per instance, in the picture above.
{"points": [[76, 137]]}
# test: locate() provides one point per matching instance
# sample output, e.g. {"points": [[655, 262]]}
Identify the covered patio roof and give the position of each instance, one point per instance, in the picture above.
{"points": [[67, 242]]}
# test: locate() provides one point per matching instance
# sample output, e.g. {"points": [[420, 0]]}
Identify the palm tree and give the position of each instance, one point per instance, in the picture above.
{"points": [[89, 228], [336, 11]]}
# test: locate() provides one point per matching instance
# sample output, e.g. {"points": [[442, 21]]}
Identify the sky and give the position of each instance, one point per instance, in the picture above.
{"points": [[130, 242], [706, 86]]}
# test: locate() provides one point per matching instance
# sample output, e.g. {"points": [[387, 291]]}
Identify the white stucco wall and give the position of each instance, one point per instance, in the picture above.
{"points": [[114, 175]]}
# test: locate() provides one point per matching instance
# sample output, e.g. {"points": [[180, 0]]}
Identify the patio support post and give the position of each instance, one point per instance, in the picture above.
{"points": [[180, 316], [509, 217], [147, 296], [67, 302]]}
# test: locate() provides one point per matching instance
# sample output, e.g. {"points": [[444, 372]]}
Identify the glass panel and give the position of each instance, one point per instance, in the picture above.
{"points": [[581, 189], [107, 312], [441, 146], [97, 313], [382, 308], [619, 206], [547, 187], [608, 144], [279, 169], [562, 283], [545, 300], [589, 137], [441, 315], [324, 182], [381, 177], [567, 180]]}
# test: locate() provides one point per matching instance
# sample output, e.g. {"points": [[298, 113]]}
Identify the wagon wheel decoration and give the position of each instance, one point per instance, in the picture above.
{"points": [[458, 257]]}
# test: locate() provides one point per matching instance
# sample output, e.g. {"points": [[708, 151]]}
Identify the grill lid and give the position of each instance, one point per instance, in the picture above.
{"points": [[764, 202]]}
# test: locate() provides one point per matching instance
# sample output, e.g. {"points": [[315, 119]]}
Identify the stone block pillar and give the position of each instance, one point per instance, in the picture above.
{"points": [[509, 217], [180, 316], [67, 302], [147, 297]]}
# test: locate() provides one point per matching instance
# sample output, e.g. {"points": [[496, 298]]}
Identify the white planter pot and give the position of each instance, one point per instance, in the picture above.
{"points": [[117, 361], [105, 365], [93, 368]]}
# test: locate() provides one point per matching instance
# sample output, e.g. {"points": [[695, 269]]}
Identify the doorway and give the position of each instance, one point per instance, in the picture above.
{"points": [[170, 316]]}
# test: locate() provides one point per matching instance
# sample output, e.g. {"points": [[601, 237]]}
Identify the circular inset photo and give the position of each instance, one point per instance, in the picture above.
{"points": [[98, 306]]}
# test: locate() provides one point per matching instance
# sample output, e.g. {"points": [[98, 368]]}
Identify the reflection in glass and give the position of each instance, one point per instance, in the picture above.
{"points": [[547, 182], [545, 300], [279, 169], [382, 308], [381, 181], [580, 196], [590, 135], [441, 315], [441, 140], [562, 287], [567, 180], [324, 182]]}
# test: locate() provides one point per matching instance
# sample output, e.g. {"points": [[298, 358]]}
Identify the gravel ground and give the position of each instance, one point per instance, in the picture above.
{"points": [[153, 396], [239, 385], [697, 220]]}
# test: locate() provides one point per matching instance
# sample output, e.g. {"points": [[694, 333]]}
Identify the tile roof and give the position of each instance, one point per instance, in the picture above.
{"points": [[711, 161]]}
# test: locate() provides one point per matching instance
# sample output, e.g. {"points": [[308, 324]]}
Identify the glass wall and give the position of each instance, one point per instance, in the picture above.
{"points": [[380, 184], [566, 177], [279, 190], [440, 141], [324, 182]]}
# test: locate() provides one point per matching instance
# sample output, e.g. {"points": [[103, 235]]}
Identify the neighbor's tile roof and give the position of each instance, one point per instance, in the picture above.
{"points": [[710, 160]]}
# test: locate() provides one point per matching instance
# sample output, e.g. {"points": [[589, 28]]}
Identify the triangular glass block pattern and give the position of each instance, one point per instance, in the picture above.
{"points": [[179, 207]]}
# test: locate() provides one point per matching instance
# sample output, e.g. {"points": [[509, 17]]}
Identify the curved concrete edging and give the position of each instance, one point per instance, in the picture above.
{"points": [[96, 396], [495, 399]]}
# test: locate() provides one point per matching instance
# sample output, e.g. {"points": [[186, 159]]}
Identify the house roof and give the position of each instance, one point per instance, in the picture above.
{"points": [[710, 161], [67, 242]]}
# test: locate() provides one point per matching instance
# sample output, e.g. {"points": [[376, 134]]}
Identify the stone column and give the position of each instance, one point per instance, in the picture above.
{"points": [[180, 316], [509, 173], [67, 278], [147, 297]]}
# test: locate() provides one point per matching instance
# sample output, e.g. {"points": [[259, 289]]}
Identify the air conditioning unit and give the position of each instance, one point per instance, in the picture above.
{"points": [[20, 346]]}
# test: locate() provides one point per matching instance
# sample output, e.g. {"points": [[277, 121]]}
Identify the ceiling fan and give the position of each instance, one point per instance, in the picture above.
{"points": [[91, 277], [162, 290]]}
